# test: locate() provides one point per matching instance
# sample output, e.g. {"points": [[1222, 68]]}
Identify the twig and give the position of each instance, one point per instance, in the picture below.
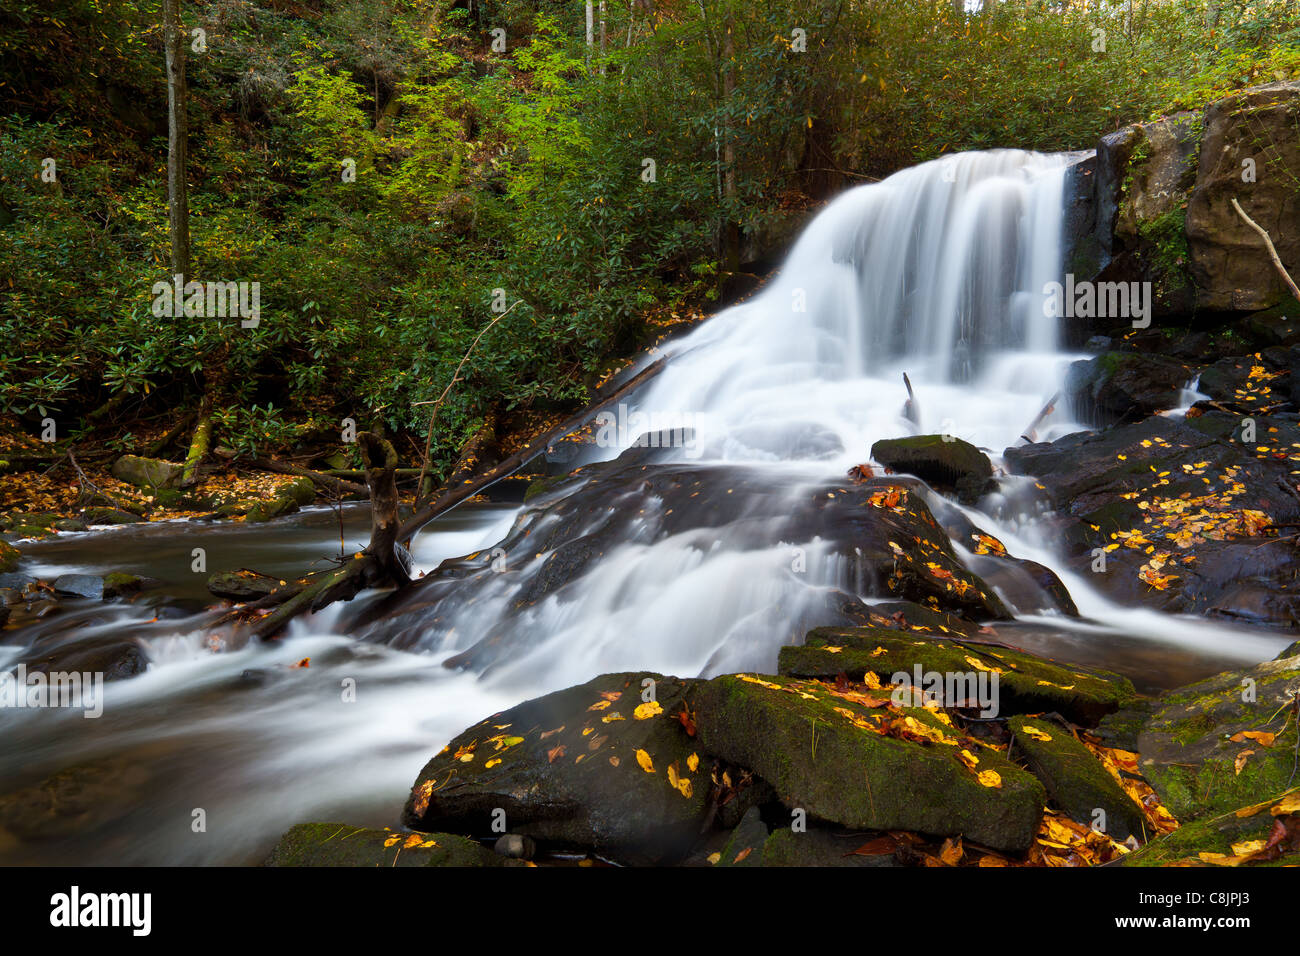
{"points": [[1272, 252]]}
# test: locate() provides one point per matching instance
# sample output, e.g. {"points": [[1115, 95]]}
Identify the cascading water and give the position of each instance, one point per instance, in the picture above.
{"points": [[698, 558]]}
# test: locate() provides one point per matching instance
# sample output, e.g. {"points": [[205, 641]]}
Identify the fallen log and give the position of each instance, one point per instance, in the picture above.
{"points": [[334, 485]]}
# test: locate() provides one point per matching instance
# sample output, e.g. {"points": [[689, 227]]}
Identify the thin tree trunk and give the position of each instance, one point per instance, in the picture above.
{"points": [[178, 214]]}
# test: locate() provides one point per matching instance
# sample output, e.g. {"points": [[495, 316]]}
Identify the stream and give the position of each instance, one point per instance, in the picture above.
{"points": [[936, 272]]}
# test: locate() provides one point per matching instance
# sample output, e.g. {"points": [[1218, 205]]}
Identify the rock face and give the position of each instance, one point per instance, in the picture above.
{"points": [[825, 755], [1224, 742], [594, 765], [1249, 151], [1155, 205], [1125, 386], [148, 472]]}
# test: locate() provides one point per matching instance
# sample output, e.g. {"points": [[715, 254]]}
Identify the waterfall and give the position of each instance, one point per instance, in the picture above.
{"points": [[938, 272]]}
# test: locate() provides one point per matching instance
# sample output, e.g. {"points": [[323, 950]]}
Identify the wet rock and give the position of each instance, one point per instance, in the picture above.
{"points": [[591, 766], [943, 461], [242, 585], [1223, 742], [745, 846], [1180, 516], [340, 844], [121, 583], [823, 754], [1077, 783], [147, 472], [267, 510], [69, 524], [1025, 683], [516, 846], [820, 846], [9, 556], [114, 657], [15, 581], [80, 585], [1260, 834], [110, 516], [1125, 386]]}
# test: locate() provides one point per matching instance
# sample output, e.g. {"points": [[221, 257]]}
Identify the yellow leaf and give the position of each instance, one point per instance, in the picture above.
{"points": [[693, 762], [990, 778], [1036, 734], [644, 711], [644, 760]]}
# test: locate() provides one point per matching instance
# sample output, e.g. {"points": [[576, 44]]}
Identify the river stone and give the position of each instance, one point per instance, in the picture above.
{"points": [[941, 460], [1076, 781], [1188, 752], [116, 658], [1026, 684], [340, 844], [589, 766], [76, 800], [80, 585], [112, 516], [804, 741], [1217, 840], [242, 585], [148, 472], [274, 508], [9, 556]]}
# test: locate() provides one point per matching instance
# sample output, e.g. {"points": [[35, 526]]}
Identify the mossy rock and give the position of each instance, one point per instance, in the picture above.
{"points": [[820, 753], [819, 846], [241, 585], [9, 557], [147, 472], [112, 516], [942, 460], [1122, 728], [1076, 781], [274, 508], [118, 583], [542, 485], [1236, 833], [1026, 684], [1188, 752], [590, 766], [339, 844], [301, 490], [36, 525]]}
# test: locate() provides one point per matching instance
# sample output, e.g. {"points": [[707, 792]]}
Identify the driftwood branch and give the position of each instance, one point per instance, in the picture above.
{"points": [[1272, 252], [472, 486]]}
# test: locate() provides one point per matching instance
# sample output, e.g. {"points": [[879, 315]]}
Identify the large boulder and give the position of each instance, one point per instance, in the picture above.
{"points": [[1025, 683], [857, 762], [1250, 152], [1125, 386], [149, 473], [1224, 742], [591, 766]]}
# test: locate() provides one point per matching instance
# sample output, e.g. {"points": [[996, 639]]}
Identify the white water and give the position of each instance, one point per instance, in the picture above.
{"points": [[937, 272]]}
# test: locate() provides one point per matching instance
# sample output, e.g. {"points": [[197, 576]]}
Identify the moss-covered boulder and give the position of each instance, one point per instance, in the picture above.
{"points": [[9, 556], [1224, 742], [1025, 684], [110, 516], [147, 472], [1076, 781], [594, 766], [18, 524], [1261, 834], [339, 844], [873, 767], [242, 585], [941, 460], [272, 508], [820, 846]]}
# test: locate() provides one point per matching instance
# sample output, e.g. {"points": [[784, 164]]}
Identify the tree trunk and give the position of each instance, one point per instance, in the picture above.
{"points": [[380, 459], [178, 129]]}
